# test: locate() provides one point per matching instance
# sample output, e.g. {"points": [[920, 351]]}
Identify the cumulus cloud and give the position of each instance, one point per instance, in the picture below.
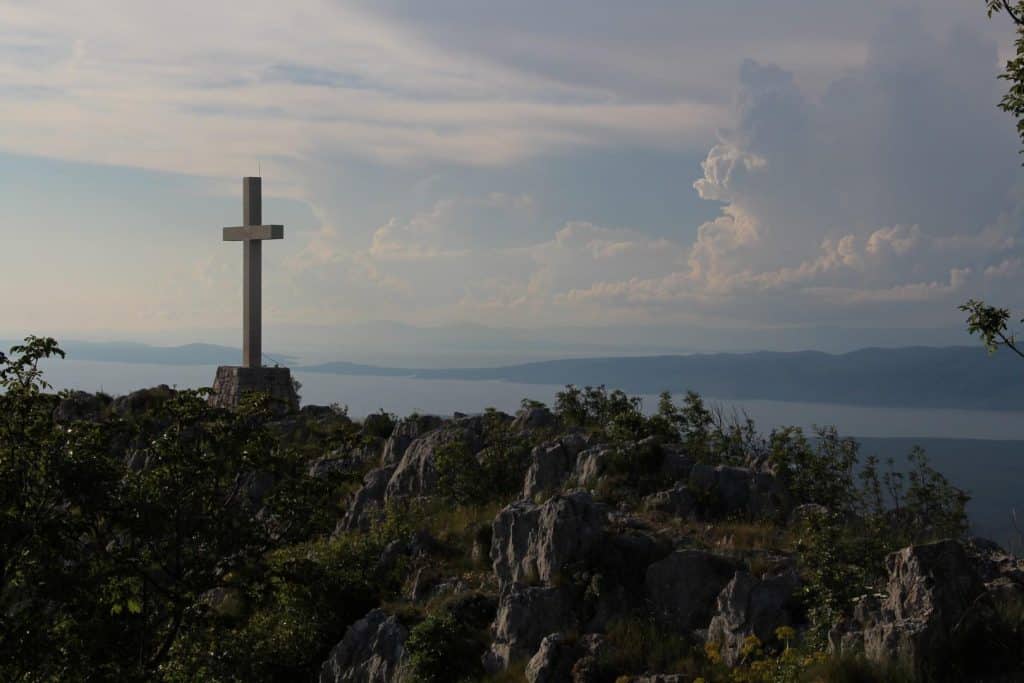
{"points": [[899, 185]]}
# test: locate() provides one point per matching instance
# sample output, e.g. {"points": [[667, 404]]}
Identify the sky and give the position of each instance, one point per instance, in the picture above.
{"points": [[728, 165]]}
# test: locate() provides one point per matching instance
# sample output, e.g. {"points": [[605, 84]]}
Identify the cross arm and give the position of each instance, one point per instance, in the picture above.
{"points": [[246, 233]]}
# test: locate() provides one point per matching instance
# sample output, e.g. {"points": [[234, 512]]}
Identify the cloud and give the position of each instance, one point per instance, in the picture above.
{"points": [[898, 186], [202, 88], [869, 180]]}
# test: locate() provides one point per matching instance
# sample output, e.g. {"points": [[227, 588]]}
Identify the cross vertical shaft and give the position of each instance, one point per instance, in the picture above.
{"points": [[252, 233], [252, 276]]}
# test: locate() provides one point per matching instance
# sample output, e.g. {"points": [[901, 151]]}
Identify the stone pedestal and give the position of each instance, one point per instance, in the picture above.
{"points": [[233, 382]]}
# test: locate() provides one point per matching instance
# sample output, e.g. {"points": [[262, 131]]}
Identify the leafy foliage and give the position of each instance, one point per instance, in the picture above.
{"points": [[1013, 72], [130, 547], [442, 648], [496, 473]]}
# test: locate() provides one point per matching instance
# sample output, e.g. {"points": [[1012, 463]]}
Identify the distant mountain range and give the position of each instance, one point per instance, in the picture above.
{"points": [[914, 377], [918, 377], [131, 352]]}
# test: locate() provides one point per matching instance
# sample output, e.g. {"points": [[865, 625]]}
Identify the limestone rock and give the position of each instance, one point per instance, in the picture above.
{"points": [[322, 468], [367, 503], [416, 474], [404, 433], [930, 588], [684, 586], [551, 464], [587, 668], [726, 490], [526, 614], [535, 543], [371, 652], [553, 661], [142, 401], [590, 465], [677, 501], [533, 419], [750, 606]]}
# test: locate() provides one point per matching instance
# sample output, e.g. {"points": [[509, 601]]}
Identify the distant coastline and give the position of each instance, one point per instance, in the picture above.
{"points": [[960, 377], [952, 377]]}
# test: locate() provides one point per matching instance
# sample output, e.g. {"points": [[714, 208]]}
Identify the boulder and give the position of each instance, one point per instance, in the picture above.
{"points": [[587, 668], [404, 433], [533, 543], [533, 419], [526, 614], [339, 462], [533, 547], [553, 661], [415, 474], [677, 501], [748, 606], [992, 562], [551, 464], [590, 465], [684, 586], [367, 503], [930, 588], [726, 490], [372, 651], [142, 401]]}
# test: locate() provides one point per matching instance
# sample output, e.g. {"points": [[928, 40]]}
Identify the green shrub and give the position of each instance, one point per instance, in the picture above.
{"points": [[634, 645], [379, 425], [442, 649]]}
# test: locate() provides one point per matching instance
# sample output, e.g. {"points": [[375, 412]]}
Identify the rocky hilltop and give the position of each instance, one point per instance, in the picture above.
{"points": [[581, 542], [710, 560]]}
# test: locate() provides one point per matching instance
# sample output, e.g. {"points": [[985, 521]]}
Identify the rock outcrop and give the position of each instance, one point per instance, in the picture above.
{"points": [[404, 433], [749, 606], [590, 466], [533, 419], [526, 614], [551, 464], [726, 490], [80, 406], [372, 651], [367, 503], [533, 547], [677, 501], [416, 474], [684, 586], [931, 588], [535, 543]]}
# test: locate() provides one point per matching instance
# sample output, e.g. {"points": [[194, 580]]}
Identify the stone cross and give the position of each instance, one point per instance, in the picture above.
{"points": [[251, 233]]}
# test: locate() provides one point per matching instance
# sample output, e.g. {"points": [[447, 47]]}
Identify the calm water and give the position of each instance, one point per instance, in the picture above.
{"points": [[400, 395]]}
